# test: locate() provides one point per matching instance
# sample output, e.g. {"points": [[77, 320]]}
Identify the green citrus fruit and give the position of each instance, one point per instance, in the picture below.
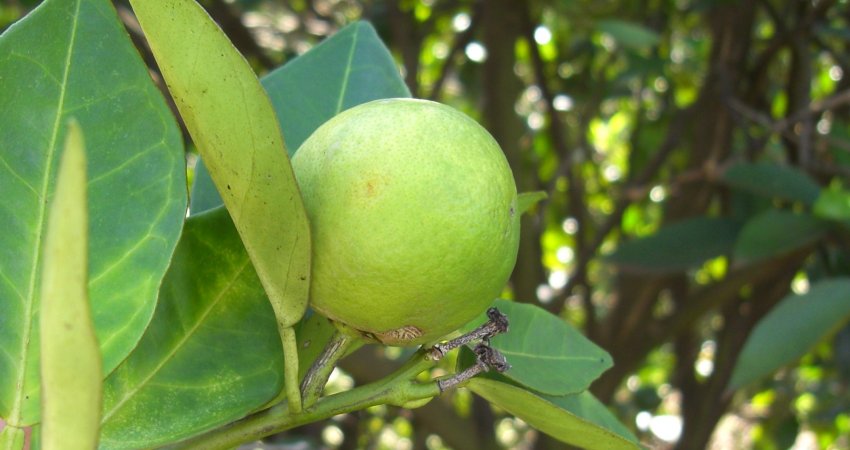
{"points": [[412, 207]]}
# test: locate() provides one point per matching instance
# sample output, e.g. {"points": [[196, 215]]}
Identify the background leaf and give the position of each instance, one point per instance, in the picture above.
{"points": [[833, 204], [806, 319], [679, 246], [527, 200], [776, 232], [349, 68], [212, 353], [233, 125], [579, 419], [546, 353], [628, 34], [89, 69], [71, 371], [772, 180]]}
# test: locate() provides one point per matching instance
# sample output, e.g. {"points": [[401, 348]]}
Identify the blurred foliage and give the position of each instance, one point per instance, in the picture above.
{"points": [[629, 114]]}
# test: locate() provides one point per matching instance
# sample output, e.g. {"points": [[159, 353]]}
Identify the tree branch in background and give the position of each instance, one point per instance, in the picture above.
{"points": [[461, 40]]}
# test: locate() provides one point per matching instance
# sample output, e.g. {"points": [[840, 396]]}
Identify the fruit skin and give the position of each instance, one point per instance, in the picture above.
{"points": [[414, 221]]}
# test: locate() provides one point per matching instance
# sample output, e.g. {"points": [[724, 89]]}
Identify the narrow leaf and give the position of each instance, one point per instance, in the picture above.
{"points": [[680, 246], [527, 200], [349, 68], [773, 180], [74, 58], [234, 127], [70, 355], [212, 353], [579, 420], [807, 318], [546, 353], [776, 232]]}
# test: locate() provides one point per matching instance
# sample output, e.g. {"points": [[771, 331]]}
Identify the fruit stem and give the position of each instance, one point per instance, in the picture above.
{"points": [[497, 323], [317, 376], [398, 388], [290, 368]]}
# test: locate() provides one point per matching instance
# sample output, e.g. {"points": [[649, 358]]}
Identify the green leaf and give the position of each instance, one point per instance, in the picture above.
{"points": [[349, 68], [833, 204], [71, 370], [579, 420], [212, 352], [527, 200], [680, 246], [88, 69], [792, 328], [776, 232], [773, 181], [234, 127], [628, 34], [546, 353]]}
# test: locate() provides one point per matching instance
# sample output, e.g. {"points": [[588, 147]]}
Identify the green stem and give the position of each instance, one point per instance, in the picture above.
{"points": [[290, 369], [396, 389], [316, 378]]}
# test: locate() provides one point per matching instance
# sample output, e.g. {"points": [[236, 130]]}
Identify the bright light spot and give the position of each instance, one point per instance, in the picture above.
{"points": [[506, 432], [823, 126], [565, 70], [612, 173], [565, 254], [476, 52], [633, 383], [461, 22], [434, 441], [642, 420], [667, 428], [288, 23], [542, 35], [545, 293], [704, 367], [562, 102], [440, 50], [558, 279], [533, 94], [536, 121], [657, 194], [338, 382], [800, 285], [570, 225], [660, 84], [607, 42], [836, 73], [332, 435]]}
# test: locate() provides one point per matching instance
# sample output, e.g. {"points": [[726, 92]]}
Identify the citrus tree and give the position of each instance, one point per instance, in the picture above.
{"points": [[137, 316]]}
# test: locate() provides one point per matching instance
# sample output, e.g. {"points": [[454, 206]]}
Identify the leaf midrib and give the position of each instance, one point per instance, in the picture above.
{"points": [[15, 415]]}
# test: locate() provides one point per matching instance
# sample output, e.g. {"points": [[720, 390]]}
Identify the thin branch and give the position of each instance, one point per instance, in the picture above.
{"points": [[461, 40]]}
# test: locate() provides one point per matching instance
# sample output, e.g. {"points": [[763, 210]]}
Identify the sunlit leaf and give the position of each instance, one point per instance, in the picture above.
{"points": [[212, 352], [74, 58], [579, 419], [792, 328], [234, 127], [680, 246], [71, 370], [349, 68]]}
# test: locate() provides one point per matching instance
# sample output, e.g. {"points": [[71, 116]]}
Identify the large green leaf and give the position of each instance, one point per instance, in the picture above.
{"points": [[773, 180], [679, 246], [349, 68], [579, 419], [212, 352], [73, 58], [792, 328], [71, 371], [234, 127], [546, 353], [776, 232]]}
